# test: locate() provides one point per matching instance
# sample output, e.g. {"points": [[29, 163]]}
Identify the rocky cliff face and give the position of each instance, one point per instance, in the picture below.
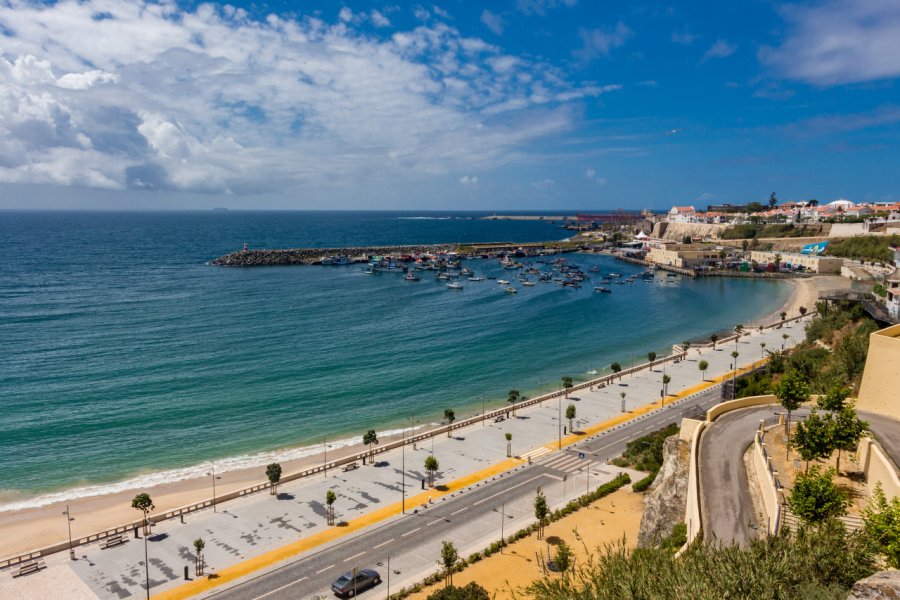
{"points": [[880, 586], [676, 231], [666, 499]]}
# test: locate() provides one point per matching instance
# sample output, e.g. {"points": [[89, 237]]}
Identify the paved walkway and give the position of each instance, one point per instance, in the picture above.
{"points": [[260, 523]]}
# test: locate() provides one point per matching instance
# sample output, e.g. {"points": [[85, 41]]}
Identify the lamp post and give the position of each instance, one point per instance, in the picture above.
{"points": [[213, 468], [69, 520], [559, 422], [325, 455], [482, 409]]}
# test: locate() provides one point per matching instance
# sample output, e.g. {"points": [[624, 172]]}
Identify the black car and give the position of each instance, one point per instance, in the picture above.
{"points": [[347, 585]]}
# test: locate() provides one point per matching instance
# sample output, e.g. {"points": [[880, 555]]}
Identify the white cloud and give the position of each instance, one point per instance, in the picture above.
{"points": [[214, 101], [379, 20], [838, 41], [600, 42], [543, 185], [467, 181], [492, 21], [720, 49], [540, 7], [684, 38], [441, 12], [590, 173]]}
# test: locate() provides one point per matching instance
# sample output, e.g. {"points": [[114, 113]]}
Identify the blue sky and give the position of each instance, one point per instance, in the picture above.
{"points": [[526, 104]]}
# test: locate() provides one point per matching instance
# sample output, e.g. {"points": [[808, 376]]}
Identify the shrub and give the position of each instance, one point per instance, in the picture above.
{"points": [[642, 484]]}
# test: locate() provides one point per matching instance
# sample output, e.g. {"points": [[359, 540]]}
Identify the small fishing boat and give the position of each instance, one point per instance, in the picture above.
{"points": [[528, 283], [602, 290], [410, 276], [476, 278], [502, 282], [455, 285], [511, 290]]}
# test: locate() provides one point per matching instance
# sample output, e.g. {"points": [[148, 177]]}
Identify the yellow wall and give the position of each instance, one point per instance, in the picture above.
{"points": [[880, 388]]}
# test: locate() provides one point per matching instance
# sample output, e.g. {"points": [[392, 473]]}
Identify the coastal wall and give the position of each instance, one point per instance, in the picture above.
{"points": [[308, 256], [767, 477]]}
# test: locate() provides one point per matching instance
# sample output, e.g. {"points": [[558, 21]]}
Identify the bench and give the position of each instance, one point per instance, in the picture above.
{"points": [[350, 467], [30, 567], [112, 541]]}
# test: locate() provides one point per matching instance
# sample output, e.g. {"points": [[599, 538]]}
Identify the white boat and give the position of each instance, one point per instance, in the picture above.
{"points": [[502, 282], [410, 276], [511, 290], [453, 285], [528, 283], [476, 278]]}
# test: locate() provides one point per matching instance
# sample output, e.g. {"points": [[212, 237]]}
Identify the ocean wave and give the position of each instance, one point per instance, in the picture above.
{"points": [[426, 218], [150, 480]]}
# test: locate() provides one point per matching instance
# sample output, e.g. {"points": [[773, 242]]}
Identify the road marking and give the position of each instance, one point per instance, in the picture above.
{"points": [[410, 532], [383, 544], [459, 511], [281, 588], [349, 558], [325, 569], [507, 489], [435, 521]]}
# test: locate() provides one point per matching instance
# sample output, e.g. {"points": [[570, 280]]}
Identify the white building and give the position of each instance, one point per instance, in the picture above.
{"points": [[682, 214]]}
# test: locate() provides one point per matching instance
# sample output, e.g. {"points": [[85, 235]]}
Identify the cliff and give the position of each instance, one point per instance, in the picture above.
{"points": [[666, 500]]}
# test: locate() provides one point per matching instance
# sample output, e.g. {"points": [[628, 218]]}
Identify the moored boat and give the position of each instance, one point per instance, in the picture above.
{"points": [[454, 285], [511, 290]]}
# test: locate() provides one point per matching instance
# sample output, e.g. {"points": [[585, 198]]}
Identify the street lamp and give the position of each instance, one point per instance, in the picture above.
{"points": [[482, 409], [146, 559], [559, 421], [213, 473], [69, 520]]}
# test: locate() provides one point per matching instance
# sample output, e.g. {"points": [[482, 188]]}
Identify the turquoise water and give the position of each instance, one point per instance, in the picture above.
{"points": [[125, 355]]}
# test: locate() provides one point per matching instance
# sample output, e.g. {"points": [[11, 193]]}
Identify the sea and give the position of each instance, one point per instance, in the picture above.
{"points": [[128, 360]]}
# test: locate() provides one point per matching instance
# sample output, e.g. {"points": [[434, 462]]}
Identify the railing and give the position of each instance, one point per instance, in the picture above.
{"points": [[771, 486]]}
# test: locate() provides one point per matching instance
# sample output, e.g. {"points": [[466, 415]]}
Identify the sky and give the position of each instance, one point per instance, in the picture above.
{"points": [[504, 105]]}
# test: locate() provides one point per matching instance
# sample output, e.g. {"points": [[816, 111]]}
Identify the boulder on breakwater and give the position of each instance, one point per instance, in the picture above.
{"points": [[310, 256]]}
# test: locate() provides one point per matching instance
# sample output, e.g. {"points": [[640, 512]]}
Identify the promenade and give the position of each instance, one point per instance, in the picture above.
{"points": [[260, 531]]}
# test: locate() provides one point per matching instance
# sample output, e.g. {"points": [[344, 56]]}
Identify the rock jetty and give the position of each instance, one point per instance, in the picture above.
{"points": [[311, 256]]}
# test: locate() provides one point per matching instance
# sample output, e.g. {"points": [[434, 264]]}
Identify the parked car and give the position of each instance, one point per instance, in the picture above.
{"points": [[348, 586]]}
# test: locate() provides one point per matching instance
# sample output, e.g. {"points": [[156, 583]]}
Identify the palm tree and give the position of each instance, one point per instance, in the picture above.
{"points": [[739, 330], [686, 345], [369, 438], [199, 545], [714, 338], [623, 400], [508, 437], [330, 497], [273, 473], [431, 465], [567, 383], [616, 367], [802, 310], [783, 316], [666, 380], [143, 503], [450, 416], [651, 356], [784, 337], [703, 365], [512, 397], [570, 415], [762, 351]]}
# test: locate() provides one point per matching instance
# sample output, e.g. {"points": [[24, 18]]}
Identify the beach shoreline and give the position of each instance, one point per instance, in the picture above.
{"points": [[33, 527]]}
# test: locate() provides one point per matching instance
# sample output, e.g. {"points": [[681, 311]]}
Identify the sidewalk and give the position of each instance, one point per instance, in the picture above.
{"points": [[259, 530]]}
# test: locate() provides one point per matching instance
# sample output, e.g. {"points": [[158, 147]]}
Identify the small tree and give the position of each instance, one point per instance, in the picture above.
{"points": [[666, 380], [273, 473], [563, 557], [370, 438], [508, 437], [541, 510], [783, 316], [833, 400], [703, 366], [570, 415], [762, 349], [431, 465], [143, 503], [330, 497], [802, 310], [450, 416], [816, 498], [622, 394], [714, 338], [813, 439], [651, 356], [449, 558], [881, 520], [739, 330], [847, 428], [567, 384], [199, 545], [784, 338], [512, 397], [792, 391], [616, 367], [735, 355], [686, 345]]}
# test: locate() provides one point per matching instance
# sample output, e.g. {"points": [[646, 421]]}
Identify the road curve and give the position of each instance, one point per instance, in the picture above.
{"points": [[887, 431]]}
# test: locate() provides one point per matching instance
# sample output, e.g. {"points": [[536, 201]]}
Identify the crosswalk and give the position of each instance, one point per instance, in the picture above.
{"points": [[567, 462], [536, 453]]}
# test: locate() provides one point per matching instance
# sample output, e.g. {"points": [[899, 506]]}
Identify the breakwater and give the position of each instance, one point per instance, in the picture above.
{"points": [[311, 256]]}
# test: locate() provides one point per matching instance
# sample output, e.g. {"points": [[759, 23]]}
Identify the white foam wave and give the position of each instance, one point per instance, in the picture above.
{"points": [[426, 218], [150, 480]]}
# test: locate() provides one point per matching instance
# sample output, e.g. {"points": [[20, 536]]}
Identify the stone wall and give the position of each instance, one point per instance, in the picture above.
{"points": [[666, 500]]}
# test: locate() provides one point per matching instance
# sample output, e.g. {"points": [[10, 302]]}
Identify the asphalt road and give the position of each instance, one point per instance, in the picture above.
{"points": [[887, 431], [726, 505], [477, 510]]}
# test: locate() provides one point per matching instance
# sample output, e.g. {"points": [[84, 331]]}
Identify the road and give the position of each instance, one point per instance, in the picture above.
{"points": [[887, 431], [726, 505], [466, 517]]}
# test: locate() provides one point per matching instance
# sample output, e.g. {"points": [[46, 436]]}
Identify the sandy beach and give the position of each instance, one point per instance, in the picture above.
{"points": [[31, 528]]}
